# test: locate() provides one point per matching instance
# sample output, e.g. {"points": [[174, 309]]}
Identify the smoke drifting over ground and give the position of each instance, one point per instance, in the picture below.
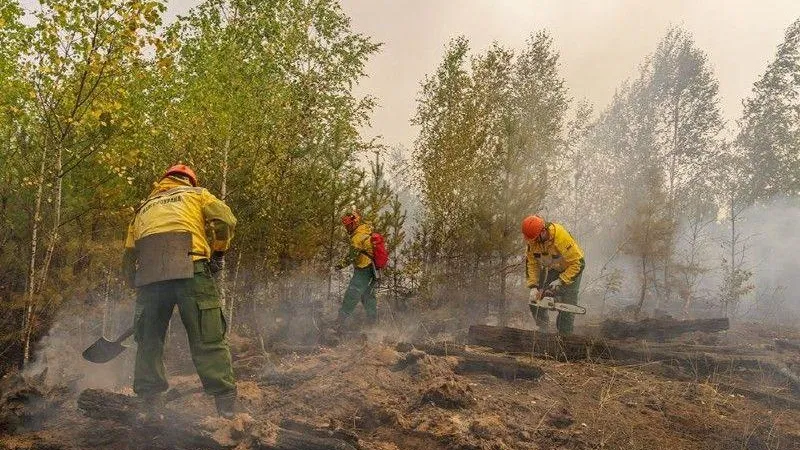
{"points": [[771, 246], [772, 254], [59, 354]]}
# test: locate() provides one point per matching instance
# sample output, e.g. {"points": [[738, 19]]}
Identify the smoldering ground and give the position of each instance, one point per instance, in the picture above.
{"points": [[296, 309], [301, 306]]}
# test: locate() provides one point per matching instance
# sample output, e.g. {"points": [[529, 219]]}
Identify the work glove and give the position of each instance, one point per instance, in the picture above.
{"points": [[534, 295], [217, 262], [554, 287]]}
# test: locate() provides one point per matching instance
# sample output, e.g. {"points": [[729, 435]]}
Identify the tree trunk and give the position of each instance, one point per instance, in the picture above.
{"points": [[643, 290], [56, 221], [234, 287], [27, 322], [107, 304], [671, 198], [503, 289], [223, 192], [730, 298]]}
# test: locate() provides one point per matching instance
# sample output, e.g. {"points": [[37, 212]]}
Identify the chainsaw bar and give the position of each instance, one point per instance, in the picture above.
{"points": [[551, 304]]}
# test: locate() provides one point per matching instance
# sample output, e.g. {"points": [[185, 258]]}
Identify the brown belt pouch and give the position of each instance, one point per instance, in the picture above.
{"points": [[163, 256]]}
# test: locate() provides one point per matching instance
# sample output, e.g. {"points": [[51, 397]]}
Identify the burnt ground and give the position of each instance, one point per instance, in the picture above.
{"points": [[408, 399]]}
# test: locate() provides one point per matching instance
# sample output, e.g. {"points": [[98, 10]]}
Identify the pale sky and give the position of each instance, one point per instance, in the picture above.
{"points": [[601, 42]]}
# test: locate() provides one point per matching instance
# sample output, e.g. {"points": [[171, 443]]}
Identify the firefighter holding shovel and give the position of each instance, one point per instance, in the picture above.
{"points": [[170, 261], [553, 269]]}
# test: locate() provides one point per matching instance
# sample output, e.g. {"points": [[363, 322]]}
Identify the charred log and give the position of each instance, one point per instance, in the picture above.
{"points": [[165, 429], [546, 345], [697, 364], [661, 329]]}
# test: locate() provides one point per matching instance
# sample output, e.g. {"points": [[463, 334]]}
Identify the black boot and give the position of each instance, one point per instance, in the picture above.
{"points": [[226, 404]]}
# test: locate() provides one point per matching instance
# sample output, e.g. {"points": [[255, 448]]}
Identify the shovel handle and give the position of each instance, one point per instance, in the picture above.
{"points": [[125, 335]]}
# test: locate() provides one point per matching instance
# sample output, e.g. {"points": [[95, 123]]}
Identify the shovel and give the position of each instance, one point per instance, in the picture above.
{"points": [[104, 350]]}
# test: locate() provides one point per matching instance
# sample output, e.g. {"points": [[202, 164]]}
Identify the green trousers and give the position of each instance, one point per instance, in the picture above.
{"points": [[201, 314], [567, 294], [361, 289]]}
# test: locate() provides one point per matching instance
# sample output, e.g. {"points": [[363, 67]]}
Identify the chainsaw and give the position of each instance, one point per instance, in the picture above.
{"points": [[551, 304]]}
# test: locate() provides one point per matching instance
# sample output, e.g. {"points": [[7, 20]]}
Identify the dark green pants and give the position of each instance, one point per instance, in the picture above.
{"points": [[201, 314], [361, 289], [567, 294]]}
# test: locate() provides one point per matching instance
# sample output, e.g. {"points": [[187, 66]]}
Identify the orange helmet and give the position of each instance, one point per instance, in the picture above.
{"points": [[182, 169], [351, 220], [532, 226]]}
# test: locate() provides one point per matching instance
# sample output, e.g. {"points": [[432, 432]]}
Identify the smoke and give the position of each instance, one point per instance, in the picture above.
{"points": [[771, 249], [297, 308], [59, 352], [769, 245]]}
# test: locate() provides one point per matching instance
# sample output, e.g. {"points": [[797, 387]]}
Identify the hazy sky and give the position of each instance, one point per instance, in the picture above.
{"points": [[601, 42]]}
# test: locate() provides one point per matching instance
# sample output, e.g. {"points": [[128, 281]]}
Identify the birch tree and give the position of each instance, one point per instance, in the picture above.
{"points": [[81, 57]]}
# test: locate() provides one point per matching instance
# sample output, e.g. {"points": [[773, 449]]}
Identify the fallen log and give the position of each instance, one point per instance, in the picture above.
{"points": [[661, 329], [546, 345], [469, 361], [169, 429], [575, 348], [684, 366]]}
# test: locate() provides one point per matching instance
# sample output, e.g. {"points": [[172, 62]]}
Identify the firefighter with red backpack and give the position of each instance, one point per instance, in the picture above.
{"points": [[368, 255]]}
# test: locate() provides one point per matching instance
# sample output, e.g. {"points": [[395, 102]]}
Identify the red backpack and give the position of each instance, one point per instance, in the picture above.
{"points": [[380, 256]]}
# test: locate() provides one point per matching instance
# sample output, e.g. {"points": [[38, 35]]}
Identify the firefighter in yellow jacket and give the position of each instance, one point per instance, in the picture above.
{"points": [[170, 261], [554, 265]]}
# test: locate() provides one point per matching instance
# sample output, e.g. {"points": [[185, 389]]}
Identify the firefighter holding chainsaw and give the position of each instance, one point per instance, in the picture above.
{"points": [[365, 274], [170, 261], [554, 265]]}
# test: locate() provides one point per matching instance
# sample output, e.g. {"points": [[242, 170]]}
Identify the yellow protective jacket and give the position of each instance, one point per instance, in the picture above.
{"points": [[360, 241], [175, 205], [560, 252]]}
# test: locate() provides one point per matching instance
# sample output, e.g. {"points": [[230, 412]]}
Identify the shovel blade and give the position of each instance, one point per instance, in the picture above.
{"points": [[103, 351]]}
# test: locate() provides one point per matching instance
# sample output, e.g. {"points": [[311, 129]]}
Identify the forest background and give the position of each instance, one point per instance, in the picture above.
{"points": [[677, 210]]}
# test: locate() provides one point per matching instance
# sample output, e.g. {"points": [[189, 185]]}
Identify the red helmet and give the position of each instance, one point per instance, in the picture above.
{"points": [[351, 220], [532, 226], [182, 169]]}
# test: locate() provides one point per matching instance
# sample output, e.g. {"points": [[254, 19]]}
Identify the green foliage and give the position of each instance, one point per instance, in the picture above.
{"points": [[256, 96], [98, 97], [489, 126], [770, 134]]}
